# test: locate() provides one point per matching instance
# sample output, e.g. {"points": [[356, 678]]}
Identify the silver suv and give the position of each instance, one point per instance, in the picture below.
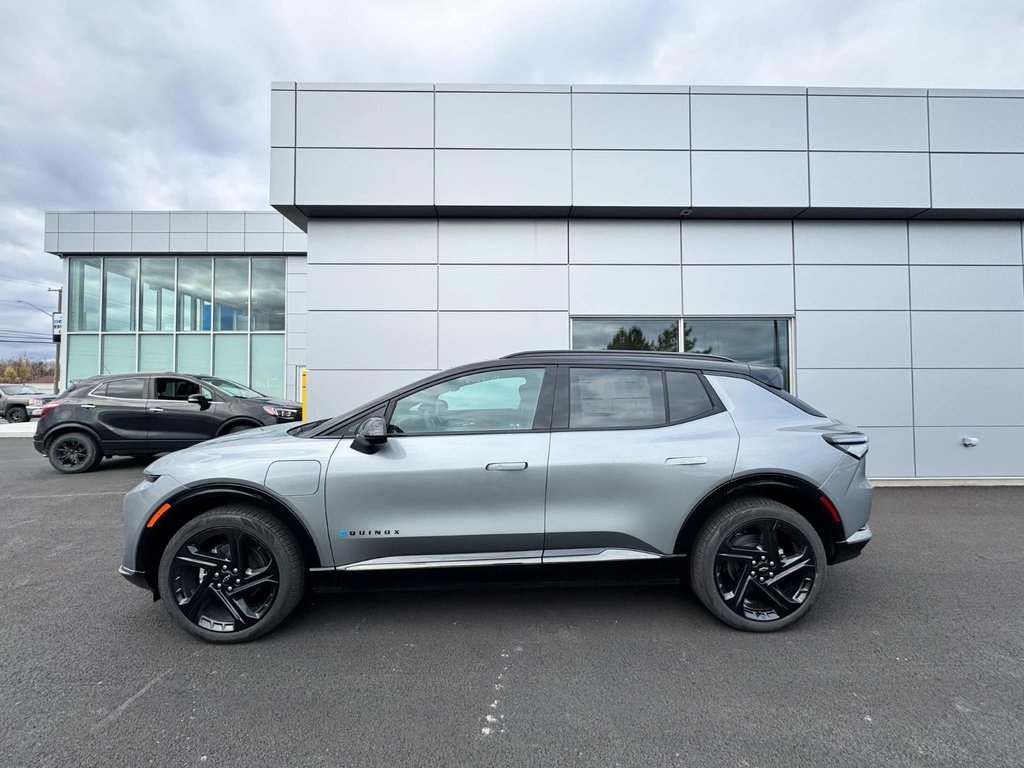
{"points": [[538, 458]]}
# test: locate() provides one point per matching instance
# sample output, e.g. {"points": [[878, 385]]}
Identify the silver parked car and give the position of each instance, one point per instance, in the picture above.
{"points": [[538, 458]]}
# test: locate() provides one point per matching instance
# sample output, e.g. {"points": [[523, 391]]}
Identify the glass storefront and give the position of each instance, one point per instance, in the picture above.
{"points": [[194, 314], [764, 341]]}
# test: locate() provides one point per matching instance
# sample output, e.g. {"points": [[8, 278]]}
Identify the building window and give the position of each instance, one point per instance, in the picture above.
{"points": [[221, 315], [84, 295], [764, 341], [231, 294], [649, 334], [195, 294], [157, 294], [120, 294]]}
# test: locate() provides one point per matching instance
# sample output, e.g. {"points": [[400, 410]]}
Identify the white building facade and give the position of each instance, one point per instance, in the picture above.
{"points": [[869, 242]]}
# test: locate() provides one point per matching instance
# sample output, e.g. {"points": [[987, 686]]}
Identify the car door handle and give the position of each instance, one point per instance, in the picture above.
{"points": [[506, 466], [88, 405], [156, 410], [678, 461]]}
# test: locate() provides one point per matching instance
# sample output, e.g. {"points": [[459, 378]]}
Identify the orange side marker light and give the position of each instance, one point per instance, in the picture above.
{"points": [[157, 514]]}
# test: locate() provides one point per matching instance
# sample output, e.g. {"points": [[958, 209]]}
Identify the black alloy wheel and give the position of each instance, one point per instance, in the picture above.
{"points": [[224, 579], [231, 574], [765, 570], [73, 453], [758, 565], [17, 415]]}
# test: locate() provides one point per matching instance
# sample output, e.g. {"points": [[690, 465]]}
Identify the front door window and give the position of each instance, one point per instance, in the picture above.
{"points": [[489, 401]]}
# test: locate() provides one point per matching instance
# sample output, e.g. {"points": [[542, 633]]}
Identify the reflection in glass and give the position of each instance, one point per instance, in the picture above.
{"points": [[118, 354], [761, 341], [268, 293], [194, 295], [656, 335], [231, 357], [268, 364], [83, 356], [156, 352], [157, 294], [84, 295], [231, 294], [120, 294], [193, 353]]}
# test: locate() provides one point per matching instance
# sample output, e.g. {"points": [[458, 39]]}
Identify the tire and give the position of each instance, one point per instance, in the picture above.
{"points": [[16, 414], [73, 453], [735, 566], [256, 554], [240, 428]]}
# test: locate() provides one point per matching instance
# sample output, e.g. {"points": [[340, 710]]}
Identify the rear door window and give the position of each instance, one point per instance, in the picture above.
{"points": [[124, 389], [615, 398]]}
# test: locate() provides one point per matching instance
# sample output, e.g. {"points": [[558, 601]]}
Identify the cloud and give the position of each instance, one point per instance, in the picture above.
{"points": [[121, 105]]}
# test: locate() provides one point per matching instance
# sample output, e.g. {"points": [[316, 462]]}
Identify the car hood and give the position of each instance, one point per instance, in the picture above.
{"points": [[242, 455]]}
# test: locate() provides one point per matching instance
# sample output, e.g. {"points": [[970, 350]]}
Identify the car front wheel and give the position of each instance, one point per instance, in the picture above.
{"points": [[73, 453], [231, 574], [16, 415], [758, 565]]}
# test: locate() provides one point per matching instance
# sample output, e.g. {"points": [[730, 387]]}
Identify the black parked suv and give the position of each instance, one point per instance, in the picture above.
{"points": [[142, 414]]}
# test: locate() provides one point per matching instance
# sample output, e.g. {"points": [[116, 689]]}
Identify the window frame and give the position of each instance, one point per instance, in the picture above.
{"points": [[560, 416]]}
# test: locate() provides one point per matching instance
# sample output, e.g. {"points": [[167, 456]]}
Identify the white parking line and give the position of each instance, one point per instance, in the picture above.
{"points": [[128, 702]]}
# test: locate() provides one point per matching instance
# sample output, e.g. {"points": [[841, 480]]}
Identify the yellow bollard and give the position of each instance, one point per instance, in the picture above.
{"points": [[303, 394]]}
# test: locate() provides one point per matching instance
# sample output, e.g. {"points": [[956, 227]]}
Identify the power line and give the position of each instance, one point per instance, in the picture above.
{"points": [[27, 282]]}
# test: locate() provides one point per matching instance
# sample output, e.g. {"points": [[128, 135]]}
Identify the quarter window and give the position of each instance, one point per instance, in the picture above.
{"points": [[607, 397], [491, 401], [687, 398]]}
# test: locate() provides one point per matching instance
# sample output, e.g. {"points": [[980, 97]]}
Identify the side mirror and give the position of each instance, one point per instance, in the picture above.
{"points": [[371, 434], [201, 400]]}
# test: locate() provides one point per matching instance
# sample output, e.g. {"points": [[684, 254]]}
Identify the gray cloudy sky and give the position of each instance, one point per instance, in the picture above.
{"points": [[163, 105]]}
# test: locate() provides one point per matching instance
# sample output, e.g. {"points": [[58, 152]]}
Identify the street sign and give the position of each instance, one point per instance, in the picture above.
{"points": [[58, 325]]}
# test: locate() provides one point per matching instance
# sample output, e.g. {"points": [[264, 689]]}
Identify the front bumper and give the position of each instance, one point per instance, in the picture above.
{"points": [[138, 578], [851, 547]]}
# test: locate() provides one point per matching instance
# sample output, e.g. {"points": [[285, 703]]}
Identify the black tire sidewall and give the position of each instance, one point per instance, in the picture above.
{"points": [[702, 572], [14, 411], [93, 455], [268, 530]]}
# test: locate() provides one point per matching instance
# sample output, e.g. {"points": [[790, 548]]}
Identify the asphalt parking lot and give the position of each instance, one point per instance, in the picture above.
{"points": [[913, 656]]}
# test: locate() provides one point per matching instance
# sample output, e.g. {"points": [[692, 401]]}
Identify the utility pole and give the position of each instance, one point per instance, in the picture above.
{"points": [[56, 363]]}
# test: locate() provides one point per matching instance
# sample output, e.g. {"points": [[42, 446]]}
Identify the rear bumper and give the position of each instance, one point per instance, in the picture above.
{"points": [[851, 547]]}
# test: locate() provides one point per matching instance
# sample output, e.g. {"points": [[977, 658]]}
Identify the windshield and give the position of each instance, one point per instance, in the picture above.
{"points": [[19, 389], [233, 388]]}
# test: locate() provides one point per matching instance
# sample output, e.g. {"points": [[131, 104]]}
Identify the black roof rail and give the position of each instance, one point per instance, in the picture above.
{"points": [[554, 352]]}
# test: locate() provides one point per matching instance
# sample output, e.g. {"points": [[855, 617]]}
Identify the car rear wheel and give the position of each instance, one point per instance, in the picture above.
{"points": [[232, 574], [240, 428], [16, 415], [73, 453], [758, 565]]}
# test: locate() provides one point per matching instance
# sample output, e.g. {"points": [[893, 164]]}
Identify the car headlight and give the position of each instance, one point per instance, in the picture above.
{"points": [[34, 403], [281, 413]]}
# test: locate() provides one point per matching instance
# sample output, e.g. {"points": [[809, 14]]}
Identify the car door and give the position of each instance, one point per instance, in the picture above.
{"points": [[459, 481], [632, 452], [116, 409], [174, 421]]}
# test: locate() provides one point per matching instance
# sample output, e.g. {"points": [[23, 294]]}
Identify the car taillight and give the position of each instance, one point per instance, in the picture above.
{"points": [[853, 443], [50, 406]]}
